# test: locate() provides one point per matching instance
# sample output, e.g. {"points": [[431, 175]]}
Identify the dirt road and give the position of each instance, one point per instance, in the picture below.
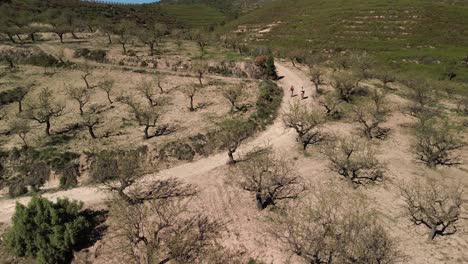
{"points": [[275, 136]]}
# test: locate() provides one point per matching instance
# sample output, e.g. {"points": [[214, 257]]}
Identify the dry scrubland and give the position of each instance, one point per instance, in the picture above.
{"points": [[338, 163]]}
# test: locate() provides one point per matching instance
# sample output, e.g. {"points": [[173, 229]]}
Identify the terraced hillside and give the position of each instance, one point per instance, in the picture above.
{"points": [[421, 35]]}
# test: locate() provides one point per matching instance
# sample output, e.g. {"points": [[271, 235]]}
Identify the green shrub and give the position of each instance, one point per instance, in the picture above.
{"points": [[267, 105], [178, 150], [47, 231], [17, 188]]}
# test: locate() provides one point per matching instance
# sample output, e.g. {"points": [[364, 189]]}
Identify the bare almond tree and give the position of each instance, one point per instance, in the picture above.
{"points": [[200, 67], [433, 204], [332, 105], [166, 231], [371, 115], [80, 95], [305, 122], [86, 72], [234, 94], [271, 178], [146, 89], [91, 119], [316, 77], [346, 87], [335, 226], [437, 142], [21, 128], [45, 109], [190, 91], [150, 118], [107, 86], [120, 172], [355, 160]]}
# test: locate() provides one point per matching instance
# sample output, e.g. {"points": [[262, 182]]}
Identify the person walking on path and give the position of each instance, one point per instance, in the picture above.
{"points": [[302, 93], [292, 90]]}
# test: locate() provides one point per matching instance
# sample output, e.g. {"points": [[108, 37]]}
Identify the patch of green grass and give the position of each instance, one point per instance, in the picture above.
{"points": [[194, 15], [398, 32]]}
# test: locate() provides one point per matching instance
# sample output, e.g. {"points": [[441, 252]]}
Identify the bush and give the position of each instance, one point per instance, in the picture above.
{"points": [[267, 105], [17, 188], [47, 231], [179, 150]]}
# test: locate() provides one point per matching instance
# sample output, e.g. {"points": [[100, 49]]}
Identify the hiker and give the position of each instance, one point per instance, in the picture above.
{"points": [[302, 92], [292, 90]]}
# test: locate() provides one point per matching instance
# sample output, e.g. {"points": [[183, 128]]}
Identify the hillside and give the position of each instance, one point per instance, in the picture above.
{"points": [[420, 35]]}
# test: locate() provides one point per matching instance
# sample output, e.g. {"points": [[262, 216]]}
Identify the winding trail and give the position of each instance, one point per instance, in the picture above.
{"points": [[275, 136]]}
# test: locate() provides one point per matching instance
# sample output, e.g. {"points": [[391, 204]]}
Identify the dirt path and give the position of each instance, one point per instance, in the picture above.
{"points": [[275, 136]]}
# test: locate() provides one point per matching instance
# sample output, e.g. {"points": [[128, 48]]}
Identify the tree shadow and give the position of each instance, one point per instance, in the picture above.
{"points": [[96, 229]]}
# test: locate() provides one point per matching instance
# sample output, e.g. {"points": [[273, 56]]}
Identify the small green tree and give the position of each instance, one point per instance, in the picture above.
{"points": [[45, 230]]}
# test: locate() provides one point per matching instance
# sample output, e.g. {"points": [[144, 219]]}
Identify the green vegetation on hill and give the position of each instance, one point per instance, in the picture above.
{"points": [[408, 35]]}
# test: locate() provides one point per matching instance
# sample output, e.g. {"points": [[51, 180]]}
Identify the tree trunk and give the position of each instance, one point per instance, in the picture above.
{"points": [[432, 234], [10, 36], [47, 130], [23, 138], [10, 62], [200, 77], [33, 37], [20, 106], [19, 37], [109, 39], [91, 132], [86, 82], [160, 87], [60, 36], [81, 109], [231, 161], [146, 132], [74, 35], [124, 48], [293, 62], [151, 46], [109, 99], [191, 104]]}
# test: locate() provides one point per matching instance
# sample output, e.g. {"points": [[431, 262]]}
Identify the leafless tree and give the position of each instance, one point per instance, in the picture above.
{"points": [[21, 92], [305, 122], [232, 132], [370, 116], [107, 86], [85, 74], [190, 91], [364, 62], [423, 99], [346, 86], [20, 127], [436, 142], [433, 204], [386, 77], [147, 89], [354, 159], [316, 77], [121, 170], [45, 109], [91, 119], [335, 226], [150, 118], [332, 105], [271, 178], [80, 95], [164, 232], [200, 67], [234, 94]]}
